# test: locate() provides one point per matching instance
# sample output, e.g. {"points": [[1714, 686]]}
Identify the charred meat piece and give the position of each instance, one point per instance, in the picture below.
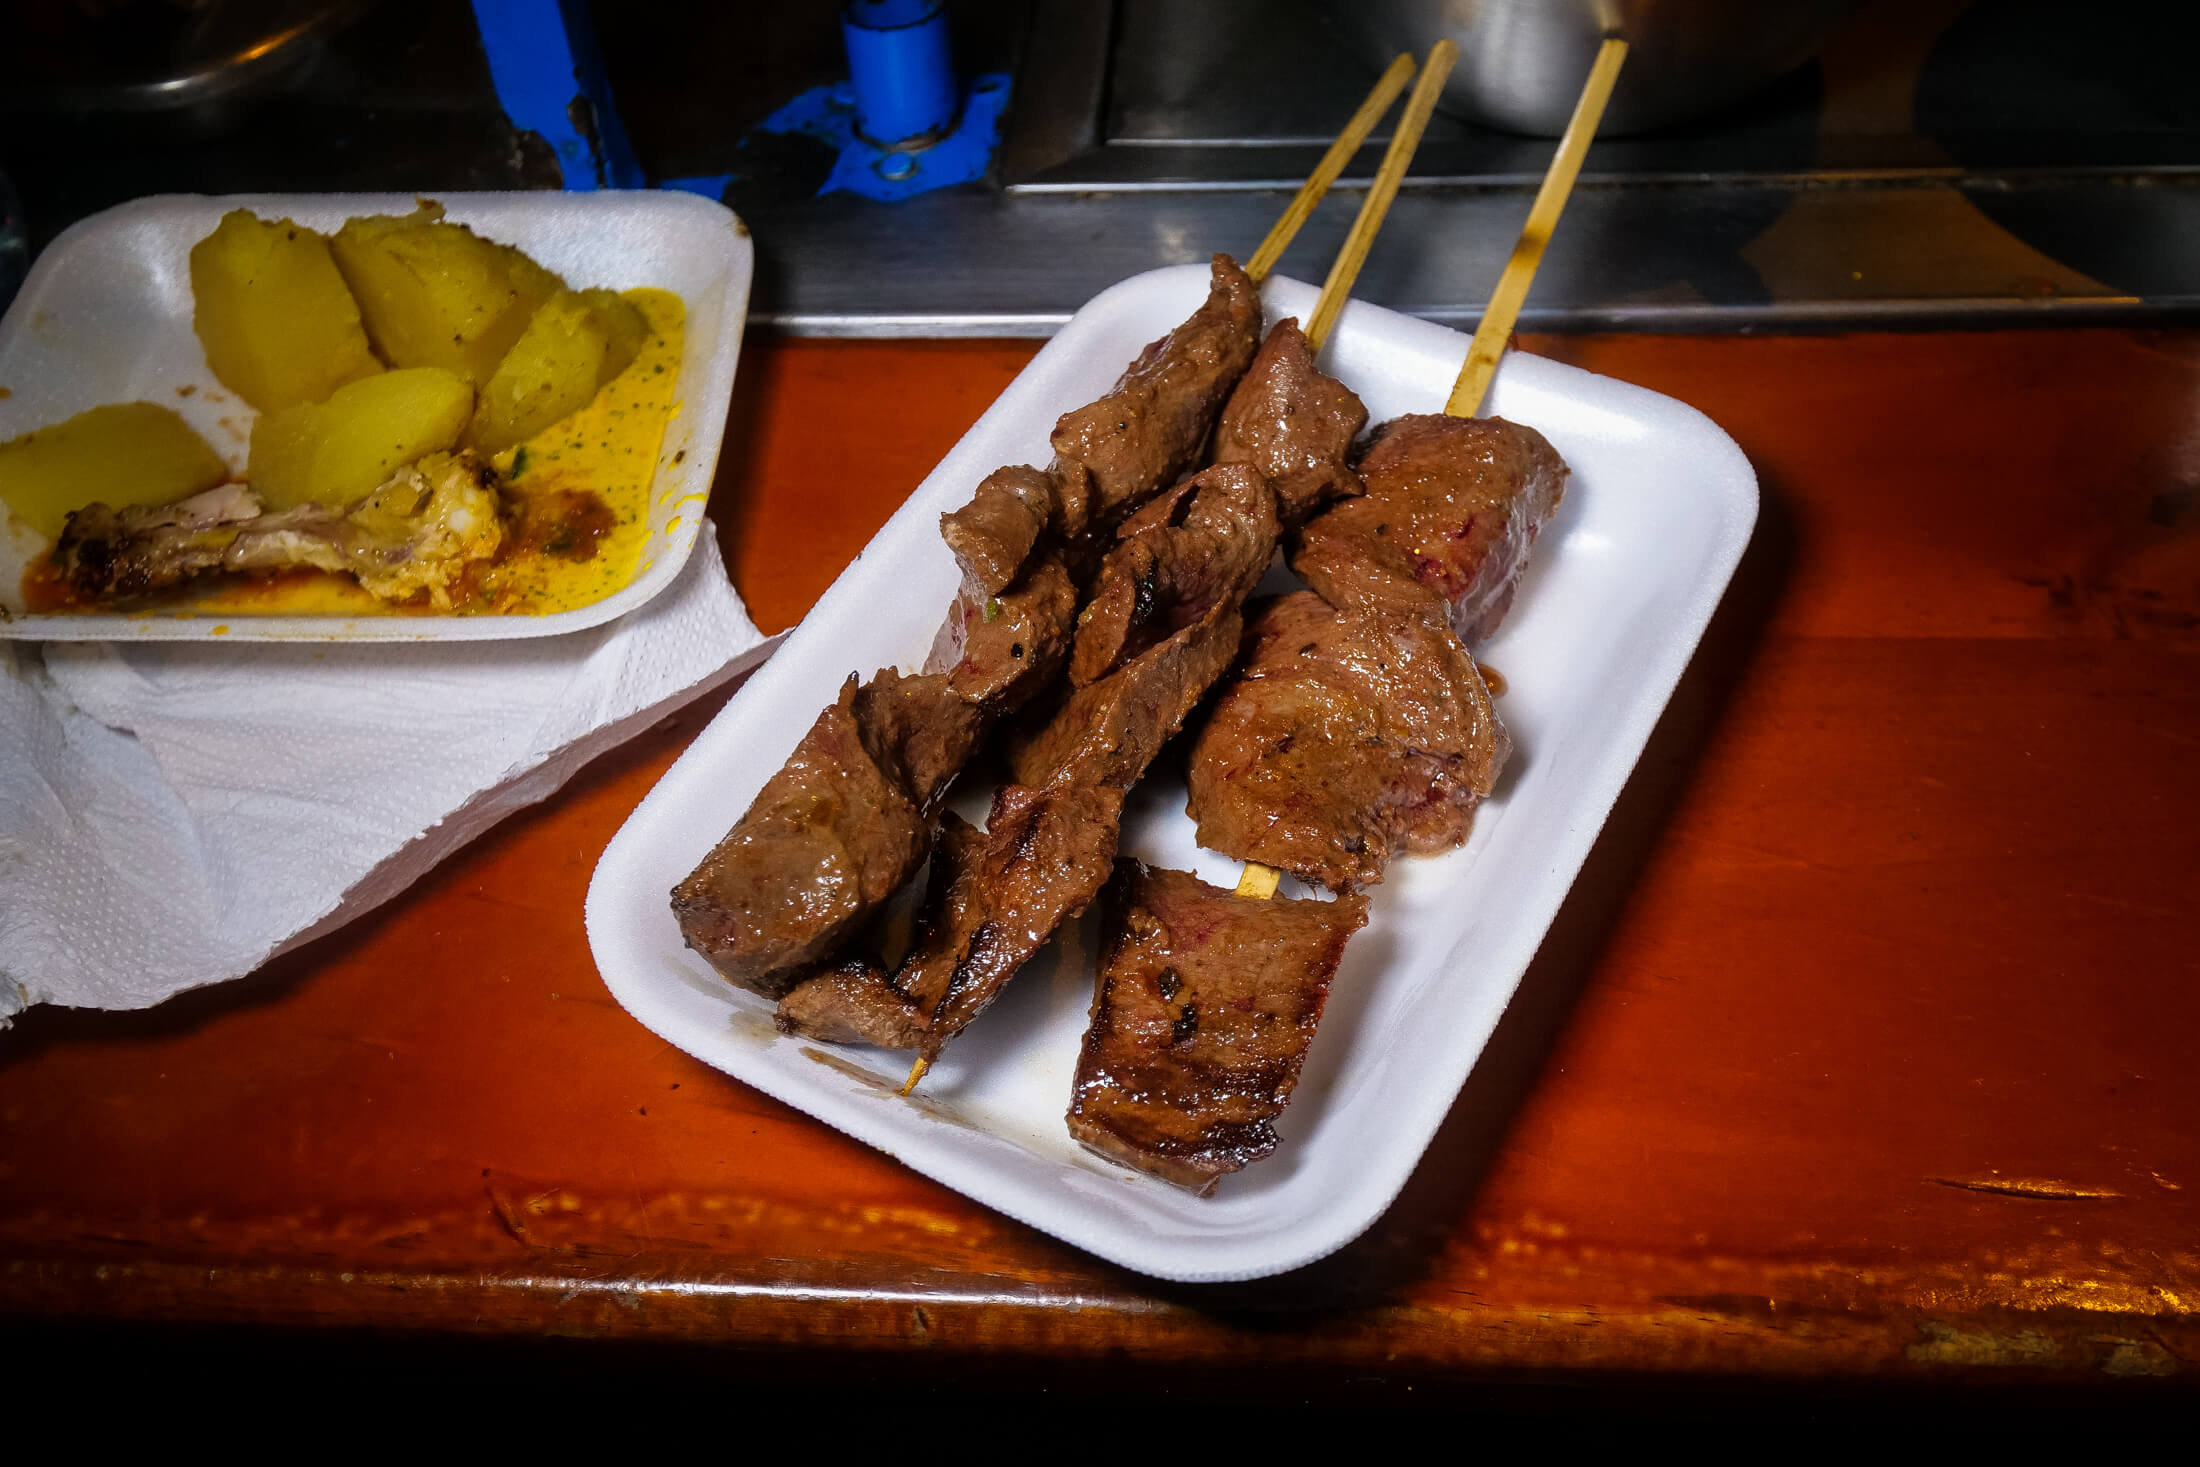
{"points": [[1152, 428], [1348, 736], [918, 730], [852, 1002], [1451, 509], [1108, 732], [1204, 1007], [998, 894], [1001, 651], [415, 533], [1187, 552], [996, 534], [1294, 424], [827, 841]]}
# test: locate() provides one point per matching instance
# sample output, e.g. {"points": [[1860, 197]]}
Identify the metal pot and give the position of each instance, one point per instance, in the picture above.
{"points": [[1521, 62]]}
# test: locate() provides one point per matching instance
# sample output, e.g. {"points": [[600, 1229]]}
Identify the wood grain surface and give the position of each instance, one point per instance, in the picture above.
{"points": [[1863, 1051]]}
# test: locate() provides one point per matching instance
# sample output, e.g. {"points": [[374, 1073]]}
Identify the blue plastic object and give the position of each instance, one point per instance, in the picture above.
{"points": [[550, 81], [900, 71], [889, 175]]}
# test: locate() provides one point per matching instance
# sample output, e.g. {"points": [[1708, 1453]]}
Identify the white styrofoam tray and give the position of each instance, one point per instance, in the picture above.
{"points": [[1624, 580], [106, 317]]}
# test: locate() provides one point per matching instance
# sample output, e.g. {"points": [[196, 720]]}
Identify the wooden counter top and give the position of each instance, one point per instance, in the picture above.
{"points": [[1863, 1051]]}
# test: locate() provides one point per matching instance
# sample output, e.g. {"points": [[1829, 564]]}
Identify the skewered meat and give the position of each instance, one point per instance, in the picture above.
{"points": [[828, 839], [851, 1002], [1109, 732], [1152, 427], [918, 730], [1042, 858], [1011, 512], [1294, 424], [1349, 735], [1451, 509], [1202, 1012], [1004, 650], [1203, 545], [415, 533], [825, 845]]}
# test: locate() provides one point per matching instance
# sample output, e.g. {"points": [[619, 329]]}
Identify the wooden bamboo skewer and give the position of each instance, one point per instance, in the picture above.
{"points": [[1259, 881], [1346, 269], [1512, 286], [1371, 111], [1473, 382], [1387, 87]]}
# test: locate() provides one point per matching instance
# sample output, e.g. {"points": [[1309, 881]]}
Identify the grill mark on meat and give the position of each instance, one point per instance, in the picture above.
{"points": [[1293, 424], [997, 896], [1452, 508], [1203, 1009], [1349, 736]]}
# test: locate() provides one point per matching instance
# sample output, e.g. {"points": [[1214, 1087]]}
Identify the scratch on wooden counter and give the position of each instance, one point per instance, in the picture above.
{"points": [[2044, 1188]]}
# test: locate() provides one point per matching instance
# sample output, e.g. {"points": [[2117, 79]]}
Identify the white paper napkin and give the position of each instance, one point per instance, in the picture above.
{"points": [[174, 814]]}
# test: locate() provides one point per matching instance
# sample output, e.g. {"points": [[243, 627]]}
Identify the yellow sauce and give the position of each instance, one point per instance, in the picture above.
{"points": [[608, 449]]}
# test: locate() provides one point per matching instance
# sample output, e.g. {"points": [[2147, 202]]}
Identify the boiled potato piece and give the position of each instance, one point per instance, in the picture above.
{"points": [[552, 370], [124, 453], [277, 321], [338, 451], [438, 295], [624, 327]]}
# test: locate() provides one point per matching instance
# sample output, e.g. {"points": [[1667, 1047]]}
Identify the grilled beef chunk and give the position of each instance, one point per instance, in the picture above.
{"points": [[997, 896], [852, 1002], [1152, 427], [1001, 651], [918, 730], [995, 535], [1348, 736], [1201, 1016], [1208, 549], [1293, 424], [827, 841], [1109, 732], [1451, 508]]}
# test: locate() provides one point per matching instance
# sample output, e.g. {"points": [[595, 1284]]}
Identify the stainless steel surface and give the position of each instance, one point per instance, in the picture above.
{"points": [[1941, 163], [1521, 62], [1657, 260]]}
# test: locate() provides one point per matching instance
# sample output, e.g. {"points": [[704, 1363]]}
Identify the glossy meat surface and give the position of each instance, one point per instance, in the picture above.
{"points": [[1152, 428], [851, 1002], [1107, 733], [1002, 651], [1199, 547], [997, 896], [918, 730], [1011, 512], [1202, 1013], [1347, 737], [1451, 509], [827, 840], [1293, 424]]}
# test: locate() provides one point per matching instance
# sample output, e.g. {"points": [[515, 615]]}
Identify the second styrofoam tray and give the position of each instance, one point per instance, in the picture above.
{"points": [[106, 317], [1625, 578]]}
